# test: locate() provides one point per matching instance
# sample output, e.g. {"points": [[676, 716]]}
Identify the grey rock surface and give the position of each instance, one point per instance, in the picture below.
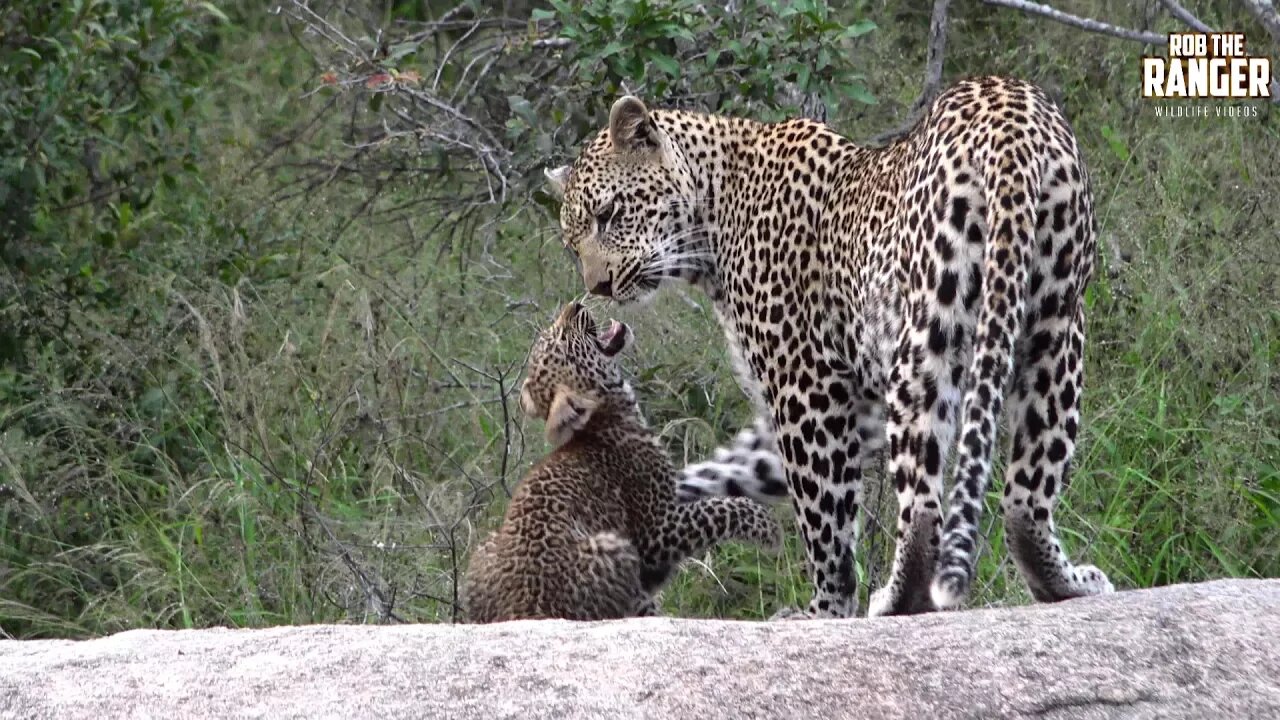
{"points": [[1190, 651]]}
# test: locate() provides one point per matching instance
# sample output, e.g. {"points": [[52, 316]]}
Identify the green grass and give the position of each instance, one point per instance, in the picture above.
{"points": [[314, 426]]}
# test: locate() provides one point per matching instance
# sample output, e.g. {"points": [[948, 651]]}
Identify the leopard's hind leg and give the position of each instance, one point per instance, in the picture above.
{"points": [[1043, 409], [1044, 415], [608, 583]]}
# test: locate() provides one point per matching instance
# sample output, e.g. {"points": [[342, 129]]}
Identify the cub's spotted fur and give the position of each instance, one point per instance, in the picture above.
{"points": [[595, 529], [912, 295]]}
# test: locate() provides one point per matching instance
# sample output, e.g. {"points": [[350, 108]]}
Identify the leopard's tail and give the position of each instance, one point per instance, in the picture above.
{"points": [[749, 467], [1011, 182]]}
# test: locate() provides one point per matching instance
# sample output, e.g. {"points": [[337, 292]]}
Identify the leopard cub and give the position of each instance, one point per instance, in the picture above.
{"points": [[598, 526]]}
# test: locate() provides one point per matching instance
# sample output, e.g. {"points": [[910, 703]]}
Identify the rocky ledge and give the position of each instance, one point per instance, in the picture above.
{"points": [[1189, 651]]}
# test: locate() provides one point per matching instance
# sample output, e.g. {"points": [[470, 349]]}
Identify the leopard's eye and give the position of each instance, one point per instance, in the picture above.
{"points": [[604, 216]]}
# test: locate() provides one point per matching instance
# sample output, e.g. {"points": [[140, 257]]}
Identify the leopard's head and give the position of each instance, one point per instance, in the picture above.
{"points": [[573, 372], [629, 210]]}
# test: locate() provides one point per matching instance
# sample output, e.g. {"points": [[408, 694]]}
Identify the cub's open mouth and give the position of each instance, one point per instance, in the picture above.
{"points": [[613, 339]]}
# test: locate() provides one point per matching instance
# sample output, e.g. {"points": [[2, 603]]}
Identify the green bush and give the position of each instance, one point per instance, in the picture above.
{"points": [[757, 55], [497, 95], [92, 122]]}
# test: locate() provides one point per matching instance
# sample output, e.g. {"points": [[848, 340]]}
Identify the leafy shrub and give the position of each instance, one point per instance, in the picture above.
{"points": [[483, 93], [91, 125], [755, 56]]}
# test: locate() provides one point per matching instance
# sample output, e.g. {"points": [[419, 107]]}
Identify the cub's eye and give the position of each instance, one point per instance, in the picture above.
{"points": [[605, 216]]}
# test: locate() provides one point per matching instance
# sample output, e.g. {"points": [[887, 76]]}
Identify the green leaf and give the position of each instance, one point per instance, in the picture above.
{"points": [[522, 108], [858, 29], [125, 213], [401, 50], [214, 11], [542, 14], [1117, 146], [666, 64], [802, 77], [859, 92], [684, 33]]}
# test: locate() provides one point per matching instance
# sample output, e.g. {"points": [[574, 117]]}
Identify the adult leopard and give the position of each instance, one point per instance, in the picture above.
{"points": [[869, 293]]}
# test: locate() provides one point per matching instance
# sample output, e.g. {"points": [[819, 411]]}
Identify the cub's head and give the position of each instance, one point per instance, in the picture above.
{"points": [[573, 373], [629, 209]]}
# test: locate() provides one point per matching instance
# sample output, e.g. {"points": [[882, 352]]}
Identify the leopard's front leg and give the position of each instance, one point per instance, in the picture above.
{"points": [[825, 442], [691, 528]]}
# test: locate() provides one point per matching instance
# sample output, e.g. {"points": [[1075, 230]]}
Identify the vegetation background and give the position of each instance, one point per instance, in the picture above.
{"points": [[270, 270]]}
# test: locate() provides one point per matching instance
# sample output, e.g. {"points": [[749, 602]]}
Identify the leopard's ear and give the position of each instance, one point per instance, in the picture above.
{"points": [[557, 178], [569, 413], [631, 129]]}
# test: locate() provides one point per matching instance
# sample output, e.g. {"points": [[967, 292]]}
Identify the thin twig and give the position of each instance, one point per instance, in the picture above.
{"points": [[1264, 11]]}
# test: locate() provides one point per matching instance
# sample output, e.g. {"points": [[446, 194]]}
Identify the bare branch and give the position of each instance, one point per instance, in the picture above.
{"points": [[1076, 21], [937, 50], [932, 74], [1182, 14]]}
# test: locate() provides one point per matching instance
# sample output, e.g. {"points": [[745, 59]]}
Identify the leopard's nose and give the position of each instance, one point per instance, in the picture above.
{"points": [[596, 276]]}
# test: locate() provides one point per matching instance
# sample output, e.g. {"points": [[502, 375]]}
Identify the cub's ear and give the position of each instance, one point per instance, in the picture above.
{"points": [[569, 413], [630, 127], [557, 178]]}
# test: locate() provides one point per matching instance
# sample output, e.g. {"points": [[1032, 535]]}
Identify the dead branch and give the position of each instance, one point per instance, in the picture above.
{"points": [[1076, 21], [1182, 14], [450, 131], [937, 50], [1264, 11]]}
